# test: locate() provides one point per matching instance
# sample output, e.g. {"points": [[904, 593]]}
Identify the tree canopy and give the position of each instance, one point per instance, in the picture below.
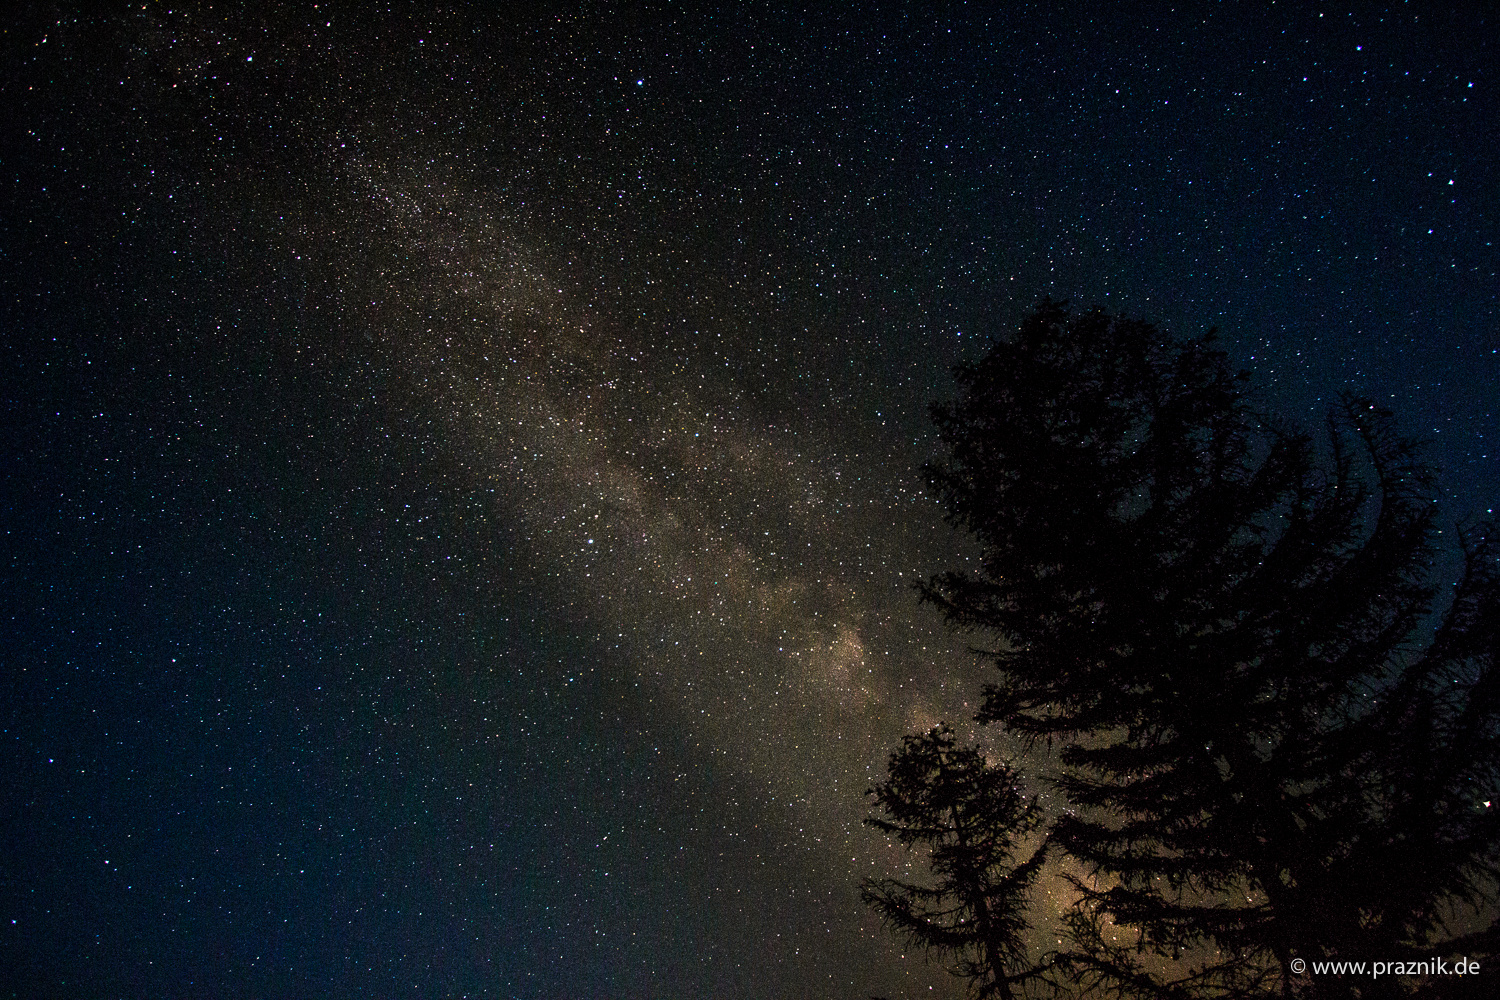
{"points": [[1278, 728]]}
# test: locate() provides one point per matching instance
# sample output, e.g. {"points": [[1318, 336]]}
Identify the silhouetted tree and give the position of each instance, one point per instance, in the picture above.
{"points": [[971, 818], [1269, 751]]}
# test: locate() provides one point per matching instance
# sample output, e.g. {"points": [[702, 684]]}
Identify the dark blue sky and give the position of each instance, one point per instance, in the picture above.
{"points": [[460, 492]]}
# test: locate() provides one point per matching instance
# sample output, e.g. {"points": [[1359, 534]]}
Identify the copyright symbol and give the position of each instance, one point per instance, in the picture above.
{"points": [[1298, 966]]}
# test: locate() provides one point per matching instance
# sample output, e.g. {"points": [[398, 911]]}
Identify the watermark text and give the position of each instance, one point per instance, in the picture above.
{"points": [[1423, 967]]}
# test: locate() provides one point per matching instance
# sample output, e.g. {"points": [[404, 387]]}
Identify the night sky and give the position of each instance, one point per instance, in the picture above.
{"points": [[460, 471]]}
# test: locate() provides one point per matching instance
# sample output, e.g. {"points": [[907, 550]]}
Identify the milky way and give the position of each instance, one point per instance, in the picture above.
{"points": [[752, 569], [745, 568]]}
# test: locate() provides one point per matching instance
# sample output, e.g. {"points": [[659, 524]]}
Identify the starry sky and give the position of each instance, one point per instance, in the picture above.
{"points": [[461, 492]]}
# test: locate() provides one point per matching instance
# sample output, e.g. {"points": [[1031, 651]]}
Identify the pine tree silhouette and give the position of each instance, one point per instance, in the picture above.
{"points": [[971, 817], [1227, 625]]}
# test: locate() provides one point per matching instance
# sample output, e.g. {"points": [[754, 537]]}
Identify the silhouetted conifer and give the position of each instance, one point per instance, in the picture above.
{"points": [[1268, 751], [971, 818]]}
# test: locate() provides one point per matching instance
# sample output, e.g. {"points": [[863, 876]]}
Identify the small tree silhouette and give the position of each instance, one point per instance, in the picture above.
{"points": [[971, 817]]}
